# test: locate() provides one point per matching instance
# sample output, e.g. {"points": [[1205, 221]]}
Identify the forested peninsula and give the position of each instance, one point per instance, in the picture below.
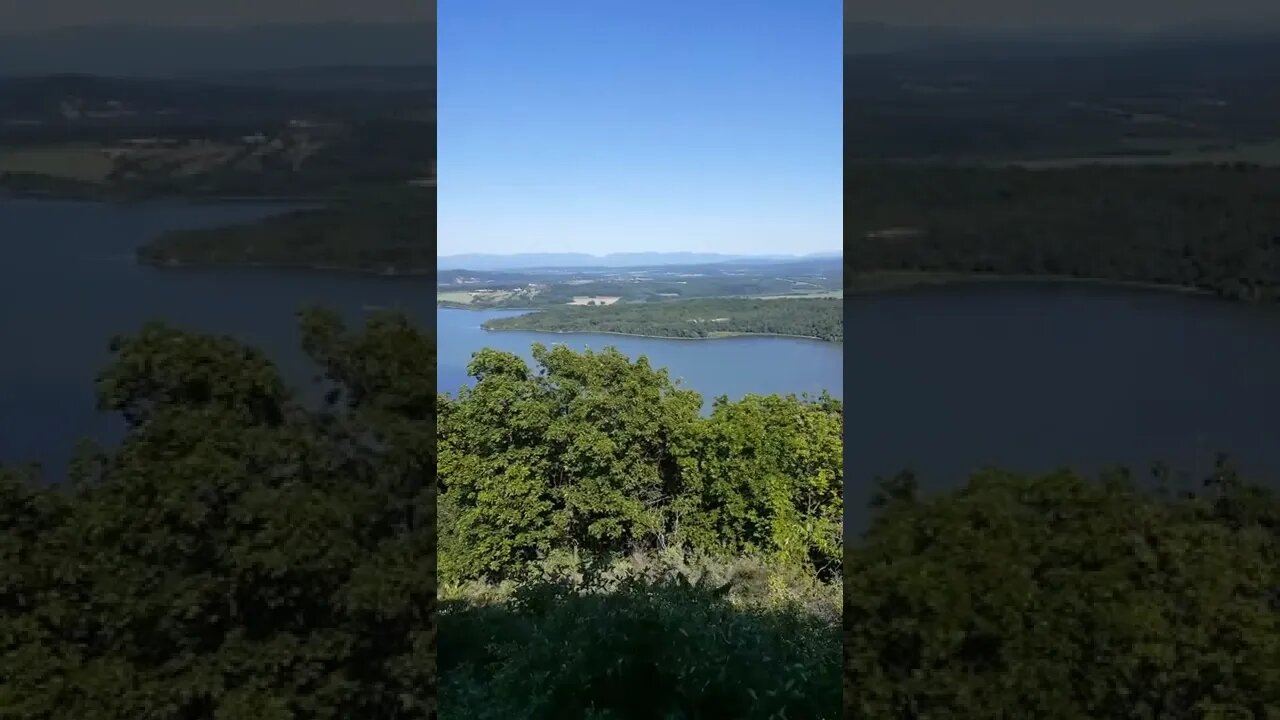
{"points": [[1211, 228], [818, 318], [378, 230]]}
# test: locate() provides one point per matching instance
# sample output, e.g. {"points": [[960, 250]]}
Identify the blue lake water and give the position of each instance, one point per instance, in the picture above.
{"points": [[1026, 376], [725, 366], [69, 282], [1034, 377]]}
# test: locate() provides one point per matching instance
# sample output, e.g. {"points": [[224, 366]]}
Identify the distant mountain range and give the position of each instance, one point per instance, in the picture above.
{"points": [[878, 38], [146, 51], [521, 261]]}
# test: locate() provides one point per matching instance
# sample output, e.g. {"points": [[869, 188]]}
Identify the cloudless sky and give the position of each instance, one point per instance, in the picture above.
{"points": [[622, 126]]}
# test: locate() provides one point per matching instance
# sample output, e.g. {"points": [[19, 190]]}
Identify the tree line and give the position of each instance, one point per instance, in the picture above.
{"points": [[1060, 596], [821, 318], [374, 230], [1214, 228], [597, 453]]}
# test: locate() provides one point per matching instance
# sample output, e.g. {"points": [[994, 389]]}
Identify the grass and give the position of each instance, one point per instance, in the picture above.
{"points": [[455, 297], [92, 162], [660, 636], [83, 162]]}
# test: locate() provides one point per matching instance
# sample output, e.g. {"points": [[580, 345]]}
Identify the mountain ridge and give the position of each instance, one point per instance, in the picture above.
{"points": [[168, 51], [497, 261]]}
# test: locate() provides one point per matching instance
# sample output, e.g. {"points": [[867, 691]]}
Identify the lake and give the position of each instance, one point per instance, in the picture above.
{"points": [[69, 283], [1027, 376], [724, 366], [1038, 376]]}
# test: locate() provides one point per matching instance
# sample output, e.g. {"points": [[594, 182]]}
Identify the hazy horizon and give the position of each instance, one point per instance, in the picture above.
{"points": [[18, 17], [837, 251], [1086, 15]]}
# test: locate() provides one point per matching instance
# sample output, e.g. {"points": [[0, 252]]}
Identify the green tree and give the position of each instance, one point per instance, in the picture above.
{"points": [[1062, 598], [238, 555]]}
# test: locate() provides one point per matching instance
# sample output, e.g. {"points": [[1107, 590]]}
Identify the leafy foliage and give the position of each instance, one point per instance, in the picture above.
{"points": [[643, 647], [238, 555], [1066, 598], [597, 453], [602, 458]]}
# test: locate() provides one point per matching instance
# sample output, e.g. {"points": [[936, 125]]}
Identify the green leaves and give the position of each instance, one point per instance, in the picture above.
{"points": [[596, 452], [239, 554], [598, 456], [1078, 599], [648, 647]]}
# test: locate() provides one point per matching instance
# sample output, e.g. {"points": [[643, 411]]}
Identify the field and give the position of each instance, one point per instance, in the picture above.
{"points": [[1167, 102], [464, 298], [482, 298], [594, 300], [552, 287], [84, 162], [97, 163]]}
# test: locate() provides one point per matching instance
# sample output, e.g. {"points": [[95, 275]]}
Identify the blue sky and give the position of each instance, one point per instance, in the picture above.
{"points": [[610, 126]]}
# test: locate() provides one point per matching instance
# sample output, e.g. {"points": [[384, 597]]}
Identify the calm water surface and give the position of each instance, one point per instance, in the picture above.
{"points": [[726, 366], [1034, 377], [945, 380], [69, 282]]}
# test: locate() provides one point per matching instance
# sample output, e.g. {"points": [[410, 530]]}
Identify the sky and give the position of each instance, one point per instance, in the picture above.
{"points": [[36, 15], [605, 126], [1137, 15]]}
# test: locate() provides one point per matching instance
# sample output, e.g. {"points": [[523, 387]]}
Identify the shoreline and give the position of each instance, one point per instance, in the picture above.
{"points": [[724, 336], [109, 199], [179, 265], [907, 280]]}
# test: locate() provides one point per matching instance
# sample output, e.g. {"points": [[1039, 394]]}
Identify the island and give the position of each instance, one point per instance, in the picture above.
{"points": [[816, 318]]}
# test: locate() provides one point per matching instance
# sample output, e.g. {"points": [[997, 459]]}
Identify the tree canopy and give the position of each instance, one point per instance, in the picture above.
{"points": [[599, 453], [1063, 597], [821, 318], [371, 231], [600, 456], [238, 555]]}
